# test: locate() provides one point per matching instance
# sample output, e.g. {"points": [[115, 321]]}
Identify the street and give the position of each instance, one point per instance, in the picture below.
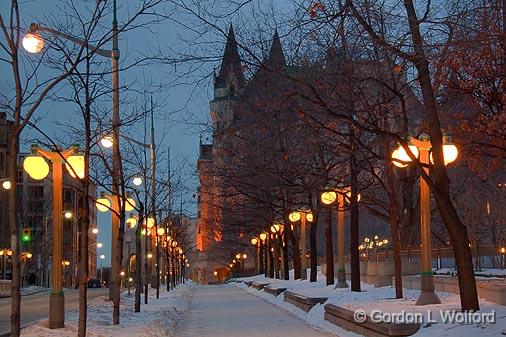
{"points": [[228, 311], [35, 307]]}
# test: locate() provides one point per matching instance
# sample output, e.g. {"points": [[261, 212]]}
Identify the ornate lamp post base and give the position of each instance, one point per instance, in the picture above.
{"points": [[341, 279], [427, 296], [56, 311]]}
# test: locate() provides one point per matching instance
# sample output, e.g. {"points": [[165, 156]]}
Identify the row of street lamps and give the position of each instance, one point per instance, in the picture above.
{"points": [[418, 149]]}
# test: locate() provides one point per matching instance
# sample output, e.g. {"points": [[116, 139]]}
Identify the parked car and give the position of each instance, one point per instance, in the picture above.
{"points": [[94, 283]]}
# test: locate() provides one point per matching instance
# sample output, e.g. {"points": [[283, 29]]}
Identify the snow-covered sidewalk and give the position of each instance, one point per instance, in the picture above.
{"points": [[158, 318], [228, 311], [381, 300]]}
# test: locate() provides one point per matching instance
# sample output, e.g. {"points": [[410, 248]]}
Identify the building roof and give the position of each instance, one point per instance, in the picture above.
{"points": [[231, 68]]}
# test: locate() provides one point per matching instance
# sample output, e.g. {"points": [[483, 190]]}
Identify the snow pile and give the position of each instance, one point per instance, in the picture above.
{"points": [[158, 318], [383, 300]]}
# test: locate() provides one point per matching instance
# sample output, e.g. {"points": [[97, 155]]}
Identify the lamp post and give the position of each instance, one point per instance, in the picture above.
{"points": [[112, 203], [277, 231], [329, 197], [420, 148], [34, 43], [256, 242], [304, 215], [503, 251], [102, 257], [36, 166], [263, 248]]}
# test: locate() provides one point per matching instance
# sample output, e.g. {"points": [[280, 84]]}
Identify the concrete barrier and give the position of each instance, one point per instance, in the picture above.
{"points": [[490, 290], [344, 318], [274, 291], [303, 302]]}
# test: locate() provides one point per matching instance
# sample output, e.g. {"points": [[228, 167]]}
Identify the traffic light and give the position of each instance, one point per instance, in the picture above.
{"points": [[26, 235]]}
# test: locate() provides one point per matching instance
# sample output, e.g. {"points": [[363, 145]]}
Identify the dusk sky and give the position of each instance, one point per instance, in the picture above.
{"points": [[181, 105]]}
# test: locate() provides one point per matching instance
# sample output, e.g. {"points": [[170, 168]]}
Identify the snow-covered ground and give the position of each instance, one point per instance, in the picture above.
{"points": [[382, 300], [484, 273], [158, 318], [227, 311]]}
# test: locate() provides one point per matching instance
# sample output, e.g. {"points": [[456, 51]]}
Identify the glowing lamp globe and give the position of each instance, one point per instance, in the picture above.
{"points": [[450, 154], [309, 217], [328, 197], [160, 231], [238, 256], [130, 204], [68, 215], [99, 245], [399, 154], [33, 43], [244, 256], [137, 181], [29, 255], [131, 222], [75, 166], [294, 216], [103, 204], [348, 196], [254, 241], [150, 222], [6, 185], [263, 236], [107, 141], [36, 167]]}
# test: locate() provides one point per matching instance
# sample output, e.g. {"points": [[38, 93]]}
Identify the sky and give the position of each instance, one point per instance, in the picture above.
{"points": [[181, 111]]}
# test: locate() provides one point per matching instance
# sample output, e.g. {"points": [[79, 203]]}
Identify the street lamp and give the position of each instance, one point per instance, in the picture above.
{"points": [[137, 181], [102, 257], [6, 184], [33, 43], [37, 168], [329, 197], [107, 141], [421, 148], [303, 215]]}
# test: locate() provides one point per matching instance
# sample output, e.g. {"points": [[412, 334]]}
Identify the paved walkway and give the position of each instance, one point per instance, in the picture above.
{"points": [[228, 311]]}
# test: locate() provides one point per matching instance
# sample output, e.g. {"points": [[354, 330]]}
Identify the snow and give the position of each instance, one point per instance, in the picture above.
{"points": [[228, 311], [158, 318], [383, 300], [480, 274]]}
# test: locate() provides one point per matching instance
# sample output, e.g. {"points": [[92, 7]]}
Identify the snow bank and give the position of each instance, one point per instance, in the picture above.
{"points": [[382, 300], [158, 318]]}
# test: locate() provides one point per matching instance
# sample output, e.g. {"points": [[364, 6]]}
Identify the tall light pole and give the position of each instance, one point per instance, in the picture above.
{"points": [[36, 166], [33, 43], [420, 148], [256, 242], [337, 196], [303, 215]]}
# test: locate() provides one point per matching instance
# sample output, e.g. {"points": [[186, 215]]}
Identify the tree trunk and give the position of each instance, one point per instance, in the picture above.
{"points": [[83, 261], [354, 225], [138, 260], [313, 250], [271, 259], [455, 227], [284, 251], [297, 274], [11, 211], [329, 251]]}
